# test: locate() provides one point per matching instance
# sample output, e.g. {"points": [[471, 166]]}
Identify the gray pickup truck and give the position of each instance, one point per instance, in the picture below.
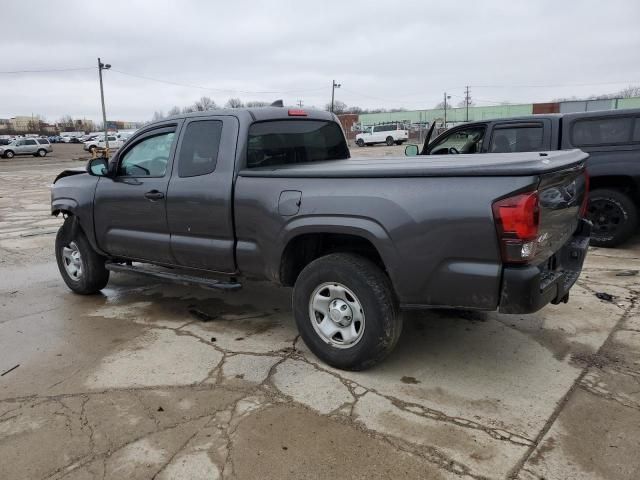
{"points": [[270, 193]]}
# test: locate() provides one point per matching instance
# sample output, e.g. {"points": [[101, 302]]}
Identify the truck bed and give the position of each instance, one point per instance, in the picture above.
{"points": [[485, 165]]}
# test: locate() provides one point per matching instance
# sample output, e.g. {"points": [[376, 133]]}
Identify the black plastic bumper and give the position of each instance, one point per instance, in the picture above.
{"points": [[527, 289]]}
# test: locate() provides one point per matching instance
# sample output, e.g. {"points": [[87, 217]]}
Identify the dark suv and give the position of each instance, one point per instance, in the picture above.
{"points": [[611, 138]]}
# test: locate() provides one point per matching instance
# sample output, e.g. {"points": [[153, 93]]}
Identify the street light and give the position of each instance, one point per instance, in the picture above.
{"points": [[103, 66], [446, 97], [334, 85]]}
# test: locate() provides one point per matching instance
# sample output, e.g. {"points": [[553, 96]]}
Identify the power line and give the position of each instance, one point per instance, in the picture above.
{"points": [[555, 85], [53, 70], [219, 90]]}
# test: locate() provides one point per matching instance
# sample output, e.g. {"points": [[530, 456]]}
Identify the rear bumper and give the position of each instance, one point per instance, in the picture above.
{"points": [[527, 289]]}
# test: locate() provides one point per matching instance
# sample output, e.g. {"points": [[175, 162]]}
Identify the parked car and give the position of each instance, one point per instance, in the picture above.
{"points": [[38, 147], [5, 141], [612, 138], [389, 133], [271, 193], [98, 142]]}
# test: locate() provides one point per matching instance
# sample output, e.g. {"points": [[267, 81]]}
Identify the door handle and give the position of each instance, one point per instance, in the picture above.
{"points": [[154, 195]]}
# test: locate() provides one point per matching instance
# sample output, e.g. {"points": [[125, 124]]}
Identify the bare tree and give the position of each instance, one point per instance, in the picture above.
{"points": [[157, 115], [189, 109], [234, 103], [204, 104], [66, 122], [338, 107], [173, 111], [354, 109], [629, 92], [255, 104]]}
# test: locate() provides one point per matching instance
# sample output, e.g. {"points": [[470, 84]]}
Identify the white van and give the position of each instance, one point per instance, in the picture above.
{"points": [[388, 133]]}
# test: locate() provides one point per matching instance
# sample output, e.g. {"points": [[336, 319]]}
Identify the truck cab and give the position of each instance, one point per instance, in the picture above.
{"points": [[611, 138]]}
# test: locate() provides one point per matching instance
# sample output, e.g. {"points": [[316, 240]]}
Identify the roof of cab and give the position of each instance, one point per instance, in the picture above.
{"points": [[259, 114]]}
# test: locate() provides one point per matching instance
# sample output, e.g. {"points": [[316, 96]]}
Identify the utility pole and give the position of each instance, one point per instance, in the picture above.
{"points": [[299, 103], [334, 85], [466, 101], [445, 108], [102, 66]]}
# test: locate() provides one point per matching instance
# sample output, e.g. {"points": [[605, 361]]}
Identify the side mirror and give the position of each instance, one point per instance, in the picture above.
{"points": [[98, 167], [411, 150]]}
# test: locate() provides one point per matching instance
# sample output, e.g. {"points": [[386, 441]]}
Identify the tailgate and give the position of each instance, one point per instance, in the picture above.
{"points": [[562, 197]]}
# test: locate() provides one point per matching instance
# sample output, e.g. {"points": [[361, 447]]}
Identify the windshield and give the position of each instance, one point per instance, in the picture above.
{"points": [[284, 142]]}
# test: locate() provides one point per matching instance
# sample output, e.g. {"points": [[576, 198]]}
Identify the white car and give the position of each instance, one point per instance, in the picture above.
{"points": [[98, 142], [388, 133]]}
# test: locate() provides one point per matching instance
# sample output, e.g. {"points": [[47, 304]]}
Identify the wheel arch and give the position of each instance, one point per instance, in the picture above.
{"points": [[308, 241], [622, 183]]}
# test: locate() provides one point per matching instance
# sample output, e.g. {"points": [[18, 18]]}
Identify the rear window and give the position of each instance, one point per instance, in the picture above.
{"points": [[284, 142], [199, 150], [43, 141], [601, 131]]}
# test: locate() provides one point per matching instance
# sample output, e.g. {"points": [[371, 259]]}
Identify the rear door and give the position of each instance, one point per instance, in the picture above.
{"points": [[130, 209], [199, 199], [30, 146], [519, 136]]}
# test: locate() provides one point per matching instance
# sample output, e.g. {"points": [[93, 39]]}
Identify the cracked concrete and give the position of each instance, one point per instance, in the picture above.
{"points": [[154, 380]]}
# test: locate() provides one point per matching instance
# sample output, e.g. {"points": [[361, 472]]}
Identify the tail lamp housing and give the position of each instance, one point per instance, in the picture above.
{"points": [[517, 220], [585, 200]]}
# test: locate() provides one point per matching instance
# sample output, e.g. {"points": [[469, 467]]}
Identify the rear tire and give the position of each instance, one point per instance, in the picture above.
{"points": [[42, 153], [614, 216], [81, 267], [389, 141], [365, 288]]}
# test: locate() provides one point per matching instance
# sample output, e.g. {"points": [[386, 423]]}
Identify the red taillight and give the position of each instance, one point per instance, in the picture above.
{"points": [[517, 221], [296, 112], [585, 200]]}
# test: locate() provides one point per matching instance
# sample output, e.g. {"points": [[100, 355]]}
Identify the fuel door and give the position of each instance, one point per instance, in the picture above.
{"points": [[289, 202]]}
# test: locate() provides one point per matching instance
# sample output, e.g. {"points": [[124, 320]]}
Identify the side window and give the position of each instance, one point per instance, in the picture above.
{"points": [[30, 142], [601, 131], [468, 140], [199, 150], [148, 158], [43, 141], [377, 129], [636, 130], [517, 139], [112, 139]]}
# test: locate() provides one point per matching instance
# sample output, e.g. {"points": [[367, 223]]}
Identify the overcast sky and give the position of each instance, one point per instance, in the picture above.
{"points": [[385, 54]]}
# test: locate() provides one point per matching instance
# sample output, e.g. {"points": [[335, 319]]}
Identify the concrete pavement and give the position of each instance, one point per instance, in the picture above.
{"points": [[155, 380]]}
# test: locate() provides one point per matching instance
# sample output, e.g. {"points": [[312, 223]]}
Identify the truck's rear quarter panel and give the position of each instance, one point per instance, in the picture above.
{"points": [[436, 235]]}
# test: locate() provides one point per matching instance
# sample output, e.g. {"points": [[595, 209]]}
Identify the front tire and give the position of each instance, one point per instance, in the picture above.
{"points": [[614, 216], [389, 141], [81, 267], [9, 154], [360, 142], [346, 311]]}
